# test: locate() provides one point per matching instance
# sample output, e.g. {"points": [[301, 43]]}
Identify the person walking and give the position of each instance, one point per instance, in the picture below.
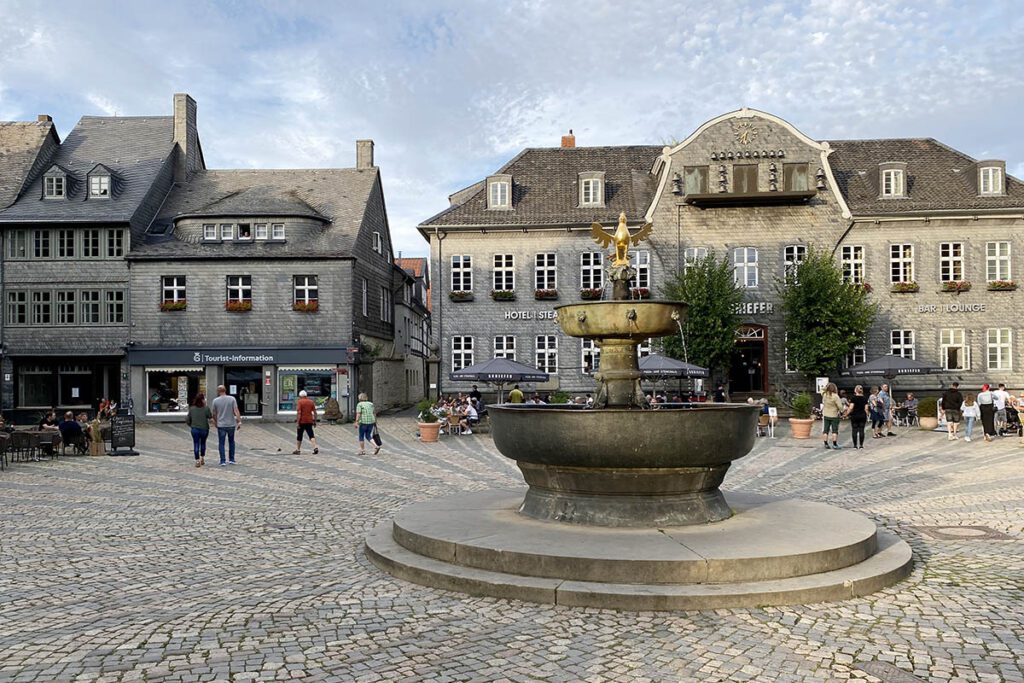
{"points": [[951, 402], [366, 421], [970, 411], [886, 399], [875, 411], [999, 398], [831, 409], [986, 402], [516, 395], [199, 418], [305, 418], [228, 421], [857, 411]]}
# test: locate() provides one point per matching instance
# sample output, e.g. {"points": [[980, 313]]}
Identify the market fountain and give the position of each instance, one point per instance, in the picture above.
{"points": [[623, 507]]}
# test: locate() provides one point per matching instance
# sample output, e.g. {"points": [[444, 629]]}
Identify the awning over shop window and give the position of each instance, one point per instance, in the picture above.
{"points": [[197, 368], [303, 368]]}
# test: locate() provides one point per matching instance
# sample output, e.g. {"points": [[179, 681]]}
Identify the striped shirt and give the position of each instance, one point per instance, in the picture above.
{"points": [[364, 411]]}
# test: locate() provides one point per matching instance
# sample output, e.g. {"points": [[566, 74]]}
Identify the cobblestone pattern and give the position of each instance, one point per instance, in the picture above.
{"points": [[147, 569]]}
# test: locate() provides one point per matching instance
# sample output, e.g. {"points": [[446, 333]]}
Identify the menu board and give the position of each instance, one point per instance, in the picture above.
{"points": [[122, 431]]}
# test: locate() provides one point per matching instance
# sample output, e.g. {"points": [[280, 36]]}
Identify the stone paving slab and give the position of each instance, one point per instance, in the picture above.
{"points": [[148, 569]]}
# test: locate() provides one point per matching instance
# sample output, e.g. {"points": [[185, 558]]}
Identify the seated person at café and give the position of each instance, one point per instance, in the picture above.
{"points": [[49, 422], [468, 417], [71, 430]]}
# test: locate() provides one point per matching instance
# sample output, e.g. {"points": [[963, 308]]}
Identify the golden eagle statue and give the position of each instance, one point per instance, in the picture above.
{"points": [[621, 238]]}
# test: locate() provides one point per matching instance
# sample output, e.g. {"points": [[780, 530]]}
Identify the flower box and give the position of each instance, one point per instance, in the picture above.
{"points": [[866, 286], [591, 294], [956, 286], [640, 293], [238, 305], [460, 295], [306, 306], [503, 295], [1002, 286], [545, 294], [905, 287], [173, 305]]}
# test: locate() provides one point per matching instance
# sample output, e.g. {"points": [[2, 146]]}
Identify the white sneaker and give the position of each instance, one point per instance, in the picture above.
{"points": [[468, 431], [967, 438]]}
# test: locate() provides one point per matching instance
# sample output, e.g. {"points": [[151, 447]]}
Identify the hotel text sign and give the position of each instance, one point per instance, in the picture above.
{"points": [[951, 308], [529, 315]]}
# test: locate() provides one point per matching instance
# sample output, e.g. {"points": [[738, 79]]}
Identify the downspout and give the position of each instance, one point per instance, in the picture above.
{"points": [[440, 306]]}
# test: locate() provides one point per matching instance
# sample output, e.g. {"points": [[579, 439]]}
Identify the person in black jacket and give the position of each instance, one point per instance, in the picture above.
{"points": [[951, 402]]}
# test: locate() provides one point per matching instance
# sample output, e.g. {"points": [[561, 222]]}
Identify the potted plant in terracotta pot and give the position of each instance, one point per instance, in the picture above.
{"points": [[928, 413], [801, 421], [427, 421]]}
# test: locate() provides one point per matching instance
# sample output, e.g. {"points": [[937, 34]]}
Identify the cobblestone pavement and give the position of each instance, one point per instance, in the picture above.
{"points": [[148, 569]]}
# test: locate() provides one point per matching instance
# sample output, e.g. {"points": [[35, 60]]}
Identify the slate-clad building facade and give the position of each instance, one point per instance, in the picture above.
{"points": [[132, 272], [935, 234]]}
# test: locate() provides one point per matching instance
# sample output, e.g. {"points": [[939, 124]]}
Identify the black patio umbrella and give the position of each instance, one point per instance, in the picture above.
{"points": [[890, 367], [655, 366], [499, 371]]}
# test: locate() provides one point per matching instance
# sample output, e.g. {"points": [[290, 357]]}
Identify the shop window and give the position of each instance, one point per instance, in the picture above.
{"points": [[17, 308], [320, 384], [35, 386], [172, 390], [695, 179], [75, 386]]}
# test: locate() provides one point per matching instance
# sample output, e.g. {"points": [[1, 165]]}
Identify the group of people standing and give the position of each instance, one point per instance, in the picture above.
{"points": [[878, 406], [995, 409]]}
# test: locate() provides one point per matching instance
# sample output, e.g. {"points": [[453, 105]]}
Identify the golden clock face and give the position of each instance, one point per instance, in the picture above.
{"points": [[745, 133]]}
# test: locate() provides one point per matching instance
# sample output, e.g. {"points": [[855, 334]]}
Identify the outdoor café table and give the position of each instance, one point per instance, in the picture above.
{"points": [[28, 442]]}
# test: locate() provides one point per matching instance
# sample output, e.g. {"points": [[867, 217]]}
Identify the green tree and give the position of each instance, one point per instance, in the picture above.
{"points": [[825, 318], [709, 289]]}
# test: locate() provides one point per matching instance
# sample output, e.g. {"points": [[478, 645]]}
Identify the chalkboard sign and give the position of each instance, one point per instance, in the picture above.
{"points": [[122, 431]]}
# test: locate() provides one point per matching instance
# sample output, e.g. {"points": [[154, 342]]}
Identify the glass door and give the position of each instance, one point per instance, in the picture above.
{"points": [[246, 385]]}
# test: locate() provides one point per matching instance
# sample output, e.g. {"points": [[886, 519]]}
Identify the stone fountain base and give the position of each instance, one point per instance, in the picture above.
{"points": [[770, 552]]}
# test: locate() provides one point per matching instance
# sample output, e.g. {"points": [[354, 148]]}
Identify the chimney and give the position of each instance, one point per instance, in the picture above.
{"points": [[568, 141], [364, 153], [44, 118], [186, 137]]}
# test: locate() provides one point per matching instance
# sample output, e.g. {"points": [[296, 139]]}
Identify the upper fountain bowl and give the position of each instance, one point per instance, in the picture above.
{"points": [[635, 320]]}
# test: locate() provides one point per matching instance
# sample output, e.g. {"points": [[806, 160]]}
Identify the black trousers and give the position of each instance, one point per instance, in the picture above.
{"points": [[988, 418], [857, 427]]}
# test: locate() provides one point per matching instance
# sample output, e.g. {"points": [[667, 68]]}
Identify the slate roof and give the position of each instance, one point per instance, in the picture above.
{"points": [[133, 147], [20, 144], [939, 178], [337, 196], [545, 192]]}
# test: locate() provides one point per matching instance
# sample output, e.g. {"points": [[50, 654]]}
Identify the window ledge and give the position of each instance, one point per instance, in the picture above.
{"points": [[716, 199]]}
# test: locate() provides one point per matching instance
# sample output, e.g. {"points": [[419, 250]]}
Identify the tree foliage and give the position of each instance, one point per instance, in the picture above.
{"points": [[709, 289], [825, 318]]}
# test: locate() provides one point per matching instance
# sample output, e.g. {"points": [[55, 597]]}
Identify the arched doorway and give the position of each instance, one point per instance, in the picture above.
{"points": [[749, 371]]}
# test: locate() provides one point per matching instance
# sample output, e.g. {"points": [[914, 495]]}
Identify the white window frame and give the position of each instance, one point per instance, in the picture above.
{"points": [[997, 261], [210, 231], [386, 305], [852, 260], [503, 277], [99, 186], [378, 243], [545, 270], [261, 231], [999, 348], [277, 231], [90, 302], [462, 273], [309, 288], [54, 187], [954, 338], [644, 348], [42, 307], [92, 243], [641, 262], [173, 288], [592, 270], [366, 297], [115, 242], [792, 256], [744, 268], [591, 192], [590, 351], [114, 300], [505, 346], [901, 263], [858, 355], [227, 231], [990, 180], [892, 182], [546, 353], [238, 288], [498, 194], [691, 255], [462, 352], [67, 306], [951, 261], [42, 244], [65, 247], [903, 343]]}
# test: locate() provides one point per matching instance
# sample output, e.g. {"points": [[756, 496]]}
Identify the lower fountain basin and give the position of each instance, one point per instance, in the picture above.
{"points": [[624, 467]]}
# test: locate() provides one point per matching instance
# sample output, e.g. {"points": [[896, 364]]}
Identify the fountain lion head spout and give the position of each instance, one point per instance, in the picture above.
{"points": [[621, 464]]}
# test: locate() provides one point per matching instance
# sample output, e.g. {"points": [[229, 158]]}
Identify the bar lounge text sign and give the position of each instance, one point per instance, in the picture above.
{"points": [[951, 308]]}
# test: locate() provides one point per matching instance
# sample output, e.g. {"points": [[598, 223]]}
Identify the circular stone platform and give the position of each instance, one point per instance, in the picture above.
{"points": [[771, 552]]}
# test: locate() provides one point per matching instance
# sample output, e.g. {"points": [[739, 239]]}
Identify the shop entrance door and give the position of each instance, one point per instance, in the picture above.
{"points": [[749, 372], [246, 385]]}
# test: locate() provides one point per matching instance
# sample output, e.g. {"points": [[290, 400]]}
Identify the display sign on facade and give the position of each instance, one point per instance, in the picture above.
{"points": [[187, 356], [755, 307], [951, 308], [530, 315]]}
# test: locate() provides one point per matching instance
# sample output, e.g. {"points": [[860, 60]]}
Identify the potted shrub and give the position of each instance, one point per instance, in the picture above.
{"points": [[173, 305], [544, 294], [460, 295], [956, 286], [426, 421], [306, 306], [591, 293], [801, 422], [928, 413], [1002, 286], [238, 305], [905, 287], [503, 295]]}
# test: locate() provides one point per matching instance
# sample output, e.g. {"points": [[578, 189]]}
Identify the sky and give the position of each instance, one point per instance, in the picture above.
{"points": [[449, 91]]}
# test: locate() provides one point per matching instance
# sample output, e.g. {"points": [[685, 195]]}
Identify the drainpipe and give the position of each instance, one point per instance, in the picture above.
{"points": [[440, 308]]}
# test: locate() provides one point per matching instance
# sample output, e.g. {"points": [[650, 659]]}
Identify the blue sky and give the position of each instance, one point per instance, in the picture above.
{"points": [[450, 90]]}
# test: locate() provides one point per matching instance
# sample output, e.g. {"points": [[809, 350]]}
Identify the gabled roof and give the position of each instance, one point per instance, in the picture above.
{"points": [[133, 147], [416, 266], [545, 188], [20, 146], [939, 178]]}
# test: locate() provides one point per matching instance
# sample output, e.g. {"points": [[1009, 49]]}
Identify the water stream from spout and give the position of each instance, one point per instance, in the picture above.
{"points": [[682, 339]]}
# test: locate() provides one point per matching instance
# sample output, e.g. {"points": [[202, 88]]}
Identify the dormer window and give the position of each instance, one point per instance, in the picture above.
{"points": [[990, 180], [591, 188], [54, 187], [893, 180], [210, 231], [99, 186], [245, 231], [262, 232], [277, 231], [499, 192]]}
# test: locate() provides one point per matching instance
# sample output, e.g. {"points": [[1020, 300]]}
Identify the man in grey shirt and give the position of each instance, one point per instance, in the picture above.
{"points": [[229, 420]]}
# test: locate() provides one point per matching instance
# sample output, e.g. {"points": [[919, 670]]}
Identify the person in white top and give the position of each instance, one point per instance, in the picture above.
{"points": [[999, 397], [971, 413], [469, 418]]}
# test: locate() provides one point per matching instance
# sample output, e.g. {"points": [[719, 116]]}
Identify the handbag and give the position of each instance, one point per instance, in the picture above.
{"points": [[376, 436]]}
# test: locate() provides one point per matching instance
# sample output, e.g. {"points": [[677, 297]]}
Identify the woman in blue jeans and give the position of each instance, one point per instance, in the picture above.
{"points": [[199, 418]]}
